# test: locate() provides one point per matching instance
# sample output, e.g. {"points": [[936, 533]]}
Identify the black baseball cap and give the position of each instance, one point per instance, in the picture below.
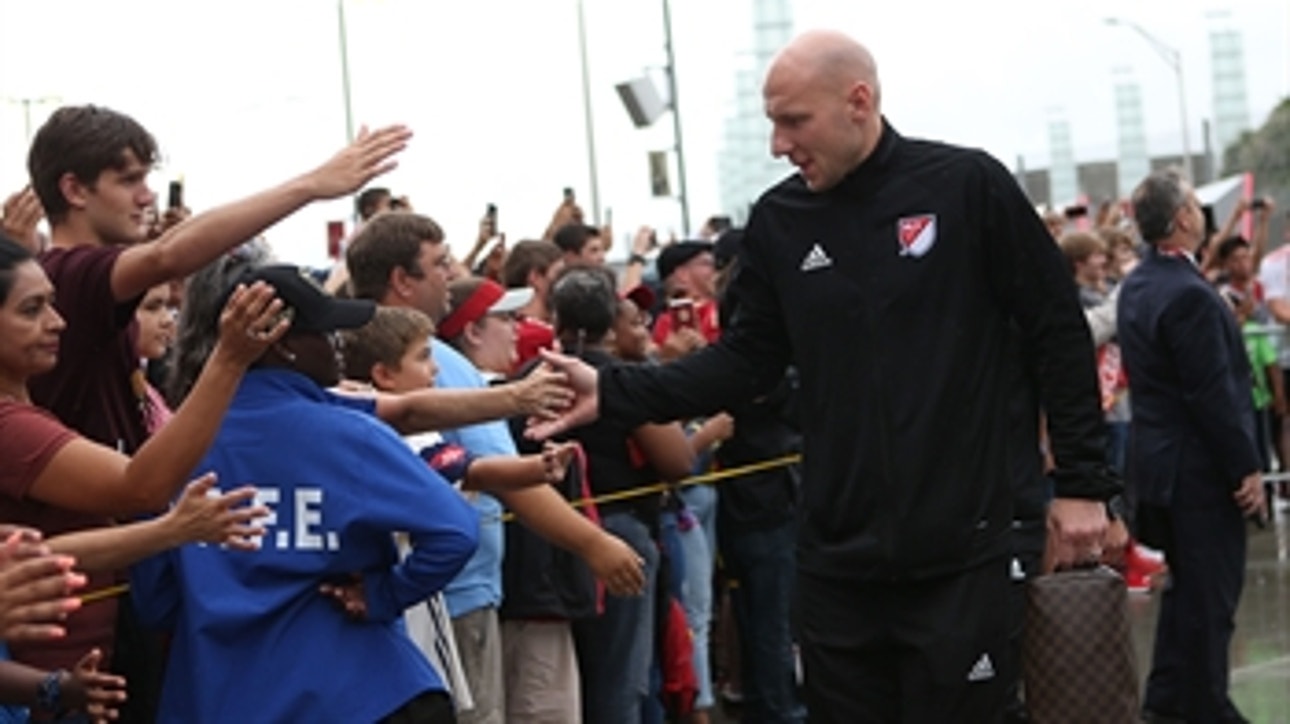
{"points": [[679, 253], [313, 310]]}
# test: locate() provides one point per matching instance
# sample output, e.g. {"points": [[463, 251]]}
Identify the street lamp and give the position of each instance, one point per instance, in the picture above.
{"points": [[645, 105], [676, 118], [26, 104], [344, 71], [587, 115], [1173, 58]]}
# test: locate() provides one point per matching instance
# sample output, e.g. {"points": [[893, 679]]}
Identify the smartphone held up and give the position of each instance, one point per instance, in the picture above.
{"points": [[683, 316], [175, 194]]}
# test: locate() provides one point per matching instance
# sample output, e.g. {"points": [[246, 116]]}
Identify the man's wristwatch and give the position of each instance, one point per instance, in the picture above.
{"points": [[636, 259], [49, 695]]}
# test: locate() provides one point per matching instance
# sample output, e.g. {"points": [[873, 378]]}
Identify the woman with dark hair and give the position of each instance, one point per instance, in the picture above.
{"points": [[202, 296], [616, 648], [57, 482]]}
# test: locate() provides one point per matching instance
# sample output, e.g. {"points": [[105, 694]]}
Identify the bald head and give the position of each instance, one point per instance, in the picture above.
{"points": [[830, 58], [822, 97]]}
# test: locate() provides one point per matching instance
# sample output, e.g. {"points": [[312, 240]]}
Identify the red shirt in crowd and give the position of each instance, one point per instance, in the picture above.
{"points": [[29, 439], [90, 390], [531, 336], [705, 313]]}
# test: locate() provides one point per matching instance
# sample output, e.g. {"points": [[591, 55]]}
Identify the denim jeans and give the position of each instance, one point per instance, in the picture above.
{"points": [[763, 563], [698, 541], [615, 648], [671, 578]]}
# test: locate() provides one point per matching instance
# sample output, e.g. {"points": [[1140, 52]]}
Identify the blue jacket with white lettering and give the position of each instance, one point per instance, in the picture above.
{"points": [[254, 640], [896, 293]]}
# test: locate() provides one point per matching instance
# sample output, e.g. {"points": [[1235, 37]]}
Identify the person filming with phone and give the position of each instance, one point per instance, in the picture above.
{"points": [[689, 319]]}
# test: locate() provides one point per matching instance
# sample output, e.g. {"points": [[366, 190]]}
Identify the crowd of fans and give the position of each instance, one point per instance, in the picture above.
{"points": [[366, 498]]}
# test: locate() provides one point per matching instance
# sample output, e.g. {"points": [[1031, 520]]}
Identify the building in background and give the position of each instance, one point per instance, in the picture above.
{"points": [[744, 164], [1227, 72], [1099, 180], [1131, 127], [1063, 182]]}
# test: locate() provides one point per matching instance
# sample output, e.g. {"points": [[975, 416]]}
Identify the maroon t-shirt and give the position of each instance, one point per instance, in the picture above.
{"points": [[29, 440], [90, 389]]}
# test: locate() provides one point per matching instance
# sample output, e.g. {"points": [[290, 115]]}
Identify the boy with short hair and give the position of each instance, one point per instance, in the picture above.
{"points": [[392, 354]]}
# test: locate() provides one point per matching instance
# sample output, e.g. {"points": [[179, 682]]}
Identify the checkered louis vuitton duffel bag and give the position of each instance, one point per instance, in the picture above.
{"points": [[1078, 661]]}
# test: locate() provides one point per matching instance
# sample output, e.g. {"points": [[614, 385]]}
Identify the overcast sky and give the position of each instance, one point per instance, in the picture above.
{"points": [[244, 93]]}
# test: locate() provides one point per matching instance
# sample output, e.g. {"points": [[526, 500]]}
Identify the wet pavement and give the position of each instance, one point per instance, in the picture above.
{"points": [[1261, 648]]}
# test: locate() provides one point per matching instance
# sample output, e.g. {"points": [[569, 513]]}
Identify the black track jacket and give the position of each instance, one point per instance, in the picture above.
{"points": [[893, 293]]}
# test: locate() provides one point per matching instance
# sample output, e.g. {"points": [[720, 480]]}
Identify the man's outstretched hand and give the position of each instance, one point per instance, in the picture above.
{"points": [[584, 380]]}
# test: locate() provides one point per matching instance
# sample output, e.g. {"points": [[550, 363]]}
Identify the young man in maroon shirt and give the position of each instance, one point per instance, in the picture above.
{"points": [[89, 166]]}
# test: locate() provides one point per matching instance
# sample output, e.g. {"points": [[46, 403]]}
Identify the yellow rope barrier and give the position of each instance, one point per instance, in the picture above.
{"points": [[644, 490], [704, 479], [105, 593]]}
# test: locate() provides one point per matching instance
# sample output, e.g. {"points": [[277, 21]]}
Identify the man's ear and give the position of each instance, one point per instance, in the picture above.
{"points": [[400, 283], [860, 99], [473, 334], [74, 192], [382, 376]]}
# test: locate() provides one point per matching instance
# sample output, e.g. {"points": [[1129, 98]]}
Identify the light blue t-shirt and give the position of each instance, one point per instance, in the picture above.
{"points": [[480, 583]]}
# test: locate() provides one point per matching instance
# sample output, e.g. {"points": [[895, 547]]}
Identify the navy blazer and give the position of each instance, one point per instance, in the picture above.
{"points": [[1190, 383]]}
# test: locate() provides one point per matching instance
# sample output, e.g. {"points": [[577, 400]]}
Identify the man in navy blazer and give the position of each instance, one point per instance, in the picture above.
{"points": [[1193, 456]]}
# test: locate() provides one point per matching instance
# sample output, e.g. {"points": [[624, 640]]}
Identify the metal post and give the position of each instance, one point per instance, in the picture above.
{"points": [[1182, 113], [1173, 57], [26, 104], [587, 118], [676, 120], [344, 72]]}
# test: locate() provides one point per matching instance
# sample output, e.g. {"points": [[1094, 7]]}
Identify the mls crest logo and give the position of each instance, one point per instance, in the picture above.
{"points": [[916, 234]]}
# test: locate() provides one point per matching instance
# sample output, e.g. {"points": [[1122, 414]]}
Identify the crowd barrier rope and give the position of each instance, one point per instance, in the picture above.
{"points": [[711, 478]]}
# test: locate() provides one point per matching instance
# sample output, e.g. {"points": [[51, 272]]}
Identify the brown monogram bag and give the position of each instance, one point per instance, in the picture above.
{"points": [[1078, 660]]}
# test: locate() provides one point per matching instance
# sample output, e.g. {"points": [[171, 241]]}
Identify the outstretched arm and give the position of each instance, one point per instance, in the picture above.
{"points": [[196, 517], [199, 240], [523, 485], [90, 478], [1259, 238], [542, 510], [541, 393], [747, 361]]}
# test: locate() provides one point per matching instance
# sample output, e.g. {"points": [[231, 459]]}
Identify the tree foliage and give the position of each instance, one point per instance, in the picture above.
{"points": [[1265, 152]]}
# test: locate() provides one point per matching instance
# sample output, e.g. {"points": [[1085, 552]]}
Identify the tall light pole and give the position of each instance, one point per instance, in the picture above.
{"points": [[676, 120], [587, 117], [26, 104], [344, 72], [1173, 58]]}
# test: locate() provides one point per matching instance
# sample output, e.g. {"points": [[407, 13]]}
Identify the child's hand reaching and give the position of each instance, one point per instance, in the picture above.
{"points": [[556, 458]]}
